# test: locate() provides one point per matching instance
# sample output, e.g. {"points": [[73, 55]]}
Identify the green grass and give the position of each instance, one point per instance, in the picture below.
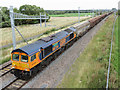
{"points": [[90, 68], [115, 53], [115, 47], [71, 15], [119, 50]]}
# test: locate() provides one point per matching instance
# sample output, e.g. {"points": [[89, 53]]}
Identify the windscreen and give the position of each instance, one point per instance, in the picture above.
{"points": [[15, 57], [24, 58]]}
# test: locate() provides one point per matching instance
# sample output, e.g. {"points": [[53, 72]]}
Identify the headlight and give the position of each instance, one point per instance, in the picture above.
{"points": [[13, 67], [26, 70]]}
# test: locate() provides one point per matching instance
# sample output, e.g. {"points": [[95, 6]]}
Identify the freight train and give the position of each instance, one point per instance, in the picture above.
{"points": [[29, 59]]}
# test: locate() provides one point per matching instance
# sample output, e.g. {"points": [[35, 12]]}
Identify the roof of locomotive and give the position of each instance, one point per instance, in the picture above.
{"points": [[34, 47]]}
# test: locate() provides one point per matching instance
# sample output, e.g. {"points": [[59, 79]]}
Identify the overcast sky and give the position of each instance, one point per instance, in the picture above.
{"points": [[63, 4]]}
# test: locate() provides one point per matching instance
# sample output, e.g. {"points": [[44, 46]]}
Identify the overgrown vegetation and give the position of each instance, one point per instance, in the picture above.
{"points": [[24, 9], [90, 69]]}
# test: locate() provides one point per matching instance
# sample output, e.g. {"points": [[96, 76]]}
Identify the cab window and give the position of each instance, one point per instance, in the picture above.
{"points": [[24, 58], [71, 36], [15, 57], [33, 57]]}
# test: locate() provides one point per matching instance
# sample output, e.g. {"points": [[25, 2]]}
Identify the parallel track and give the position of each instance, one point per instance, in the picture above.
{"points": [[4, 70], [19, 83], [16, 84]]}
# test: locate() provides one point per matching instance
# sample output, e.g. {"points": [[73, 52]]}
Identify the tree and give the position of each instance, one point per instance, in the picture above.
{"points": [[31, 10], [25, 9]]}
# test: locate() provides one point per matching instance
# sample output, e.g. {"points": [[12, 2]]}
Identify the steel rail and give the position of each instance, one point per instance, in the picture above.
{"points": [[5, 70], [16, 84], [4, 65]]}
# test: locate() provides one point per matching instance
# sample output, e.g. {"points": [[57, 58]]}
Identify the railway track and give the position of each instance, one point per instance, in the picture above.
{"points": [[16, 84], [19, 83], [6, 68]]}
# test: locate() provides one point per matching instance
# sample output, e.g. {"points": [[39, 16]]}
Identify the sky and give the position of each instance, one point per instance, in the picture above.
{"points": [[63, 4]]}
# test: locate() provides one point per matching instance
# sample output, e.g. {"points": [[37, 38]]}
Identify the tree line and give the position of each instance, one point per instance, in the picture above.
{"points": [[31, 10], [56, 12], [35, 11]]}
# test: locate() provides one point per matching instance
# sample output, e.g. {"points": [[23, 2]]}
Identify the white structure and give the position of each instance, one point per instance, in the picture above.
{"points": [[14, 16], [78, 14]]}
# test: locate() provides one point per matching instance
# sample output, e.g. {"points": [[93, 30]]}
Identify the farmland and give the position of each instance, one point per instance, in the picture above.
{"points": [[71, 15], [90, 68], [32, 30]]}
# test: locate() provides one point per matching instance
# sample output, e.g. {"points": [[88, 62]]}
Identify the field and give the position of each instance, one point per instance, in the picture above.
{"points": [[32, 30], [71, 15], [90, 68]]}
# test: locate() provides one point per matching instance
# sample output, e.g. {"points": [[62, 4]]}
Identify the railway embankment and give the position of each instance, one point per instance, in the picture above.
{"points": [[90, 68], [54, 73]]}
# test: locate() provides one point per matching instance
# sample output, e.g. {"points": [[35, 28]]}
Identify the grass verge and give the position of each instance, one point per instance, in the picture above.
{"points": [[115, 47], [90, 68]]}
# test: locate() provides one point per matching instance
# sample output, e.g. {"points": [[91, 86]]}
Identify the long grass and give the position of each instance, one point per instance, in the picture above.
{"points": [[90, 69], [115, 54], [115, 47]]}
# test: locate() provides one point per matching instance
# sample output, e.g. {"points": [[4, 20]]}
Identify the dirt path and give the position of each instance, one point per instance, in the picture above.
{"points": [[53, 74]]}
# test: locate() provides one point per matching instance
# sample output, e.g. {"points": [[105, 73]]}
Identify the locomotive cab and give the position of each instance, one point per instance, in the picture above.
{"points": [[20, 63], [24, 61]]}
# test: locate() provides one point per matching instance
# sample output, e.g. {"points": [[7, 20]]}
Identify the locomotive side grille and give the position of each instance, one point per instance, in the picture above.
{"points": [[68, 30], [46, 39]]}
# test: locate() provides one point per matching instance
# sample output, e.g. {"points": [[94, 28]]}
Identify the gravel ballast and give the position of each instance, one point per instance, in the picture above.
{"points": [[6, 79]]}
